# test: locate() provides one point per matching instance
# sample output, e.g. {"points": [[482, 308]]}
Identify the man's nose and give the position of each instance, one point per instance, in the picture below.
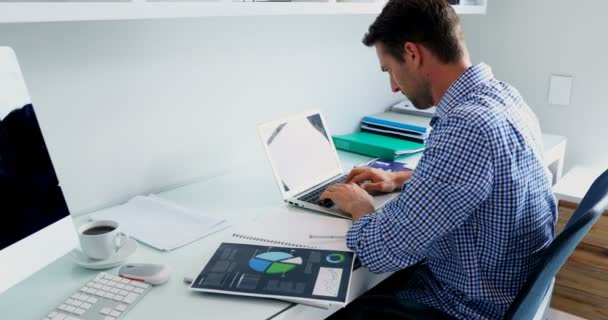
{"points": [[394, 86]]}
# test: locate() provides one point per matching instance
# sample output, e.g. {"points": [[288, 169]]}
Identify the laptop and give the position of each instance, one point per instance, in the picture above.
{"points": [[305, 162]]}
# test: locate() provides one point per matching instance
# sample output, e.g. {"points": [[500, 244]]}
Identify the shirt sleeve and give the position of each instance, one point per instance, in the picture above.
{"points": [[451, 180]]}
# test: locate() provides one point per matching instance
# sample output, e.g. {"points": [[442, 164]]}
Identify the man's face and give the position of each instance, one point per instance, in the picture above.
{"points": [[405, 77]]}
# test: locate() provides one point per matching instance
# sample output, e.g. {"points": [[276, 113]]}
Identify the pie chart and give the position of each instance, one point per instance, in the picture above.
{"points": [[274, 262]]}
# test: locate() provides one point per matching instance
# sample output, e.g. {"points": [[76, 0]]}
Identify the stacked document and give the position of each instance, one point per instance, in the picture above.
{"points": [[405, 106], [160, 223]]}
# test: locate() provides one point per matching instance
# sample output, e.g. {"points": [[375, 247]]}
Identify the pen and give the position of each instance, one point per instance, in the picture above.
{"points": [[316, 236]]}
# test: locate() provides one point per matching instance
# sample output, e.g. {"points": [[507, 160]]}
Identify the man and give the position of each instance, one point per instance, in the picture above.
{"points": [[473, 219]]}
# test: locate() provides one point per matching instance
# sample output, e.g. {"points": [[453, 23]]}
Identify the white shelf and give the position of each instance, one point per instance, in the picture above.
{"points": [[89, 11]]}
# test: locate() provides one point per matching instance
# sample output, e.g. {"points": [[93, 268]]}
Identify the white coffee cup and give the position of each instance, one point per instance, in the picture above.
{"points": [[101, 239]]}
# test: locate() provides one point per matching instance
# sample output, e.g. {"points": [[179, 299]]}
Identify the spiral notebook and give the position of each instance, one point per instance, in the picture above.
{"points": [[247, 238], [286, 226], [291, 227]]}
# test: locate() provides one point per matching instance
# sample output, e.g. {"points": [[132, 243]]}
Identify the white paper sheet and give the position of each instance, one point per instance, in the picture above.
{"points": [[160, 223]]}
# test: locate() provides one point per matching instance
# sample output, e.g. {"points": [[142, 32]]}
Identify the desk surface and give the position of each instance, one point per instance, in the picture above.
{"points": [[232, 195], [573, 186]]}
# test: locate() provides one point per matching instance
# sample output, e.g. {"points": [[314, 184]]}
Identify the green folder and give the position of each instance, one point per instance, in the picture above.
{"points": [[376, 145]]}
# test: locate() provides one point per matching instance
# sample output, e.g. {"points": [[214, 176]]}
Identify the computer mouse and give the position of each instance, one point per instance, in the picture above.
{"points": [[154, 274]]}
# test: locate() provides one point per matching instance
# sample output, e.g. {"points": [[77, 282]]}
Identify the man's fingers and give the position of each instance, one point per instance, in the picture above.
{"points": [[333, 190], [371, 186], [327, 193], [354, 172], [366, 175], [324, 195], [375, 186]]}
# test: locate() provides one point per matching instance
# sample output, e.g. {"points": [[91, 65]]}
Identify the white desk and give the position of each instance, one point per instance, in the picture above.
{"points": [[555, 151], [229, 195], [576, 182]]}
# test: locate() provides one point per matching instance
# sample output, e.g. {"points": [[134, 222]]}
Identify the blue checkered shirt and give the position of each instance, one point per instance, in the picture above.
{"points": [[478, 210]]}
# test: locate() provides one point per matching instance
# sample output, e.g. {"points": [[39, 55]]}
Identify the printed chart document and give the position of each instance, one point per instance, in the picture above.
{"points": [[278, 272]]}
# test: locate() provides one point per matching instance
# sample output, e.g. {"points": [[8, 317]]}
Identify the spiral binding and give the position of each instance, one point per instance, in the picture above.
{"points": [[281, 243]]}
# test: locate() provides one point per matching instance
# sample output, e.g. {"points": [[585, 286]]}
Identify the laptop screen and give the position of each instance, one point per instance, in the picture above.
{"points": [[301, 152]]}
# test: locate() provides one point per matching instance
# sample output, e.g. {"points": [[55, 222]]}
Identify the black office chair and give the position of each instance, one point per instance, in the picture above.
{"points": [[532, 302]]}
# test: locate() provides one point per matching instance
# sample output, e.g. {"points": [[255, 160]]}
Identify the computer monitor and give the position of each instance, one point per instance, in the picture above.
{"points": [[36, 227]]}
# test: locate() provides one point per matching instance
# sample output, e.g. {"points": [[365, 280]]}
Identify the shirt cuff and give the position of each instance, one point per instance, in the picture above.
{"points": [[356, 233]]}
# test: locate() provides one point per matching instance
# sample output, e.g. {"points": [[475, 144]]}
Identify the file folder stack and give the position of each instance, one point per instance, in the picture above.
{"points": [[398, 125], [387, 135]]}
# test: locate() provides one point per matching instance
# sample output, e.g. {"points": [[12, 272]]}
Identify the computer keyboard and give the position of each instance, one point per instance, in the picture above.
{"points": [[313, 196], [105, 297]]}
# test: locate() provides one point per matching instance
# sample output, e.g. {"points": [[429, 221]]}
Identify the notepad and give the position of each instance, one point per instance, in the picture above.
{"points": [[160, 223]]}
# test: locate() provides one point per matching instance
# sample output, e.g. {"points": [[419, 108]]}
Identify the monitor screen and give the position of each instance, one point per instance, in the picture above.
{"points": [[31, 195], [36, 224]]}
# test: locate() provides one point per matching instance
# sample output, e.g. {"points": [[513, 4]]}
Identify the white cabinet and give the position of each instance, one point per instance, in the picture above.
{"points": [[79, 10]]}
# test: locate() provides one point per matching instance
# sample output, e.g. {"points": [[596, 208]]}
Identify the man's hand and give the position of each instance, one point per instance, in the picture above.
{"points": [[378, 180], [350, 198]]}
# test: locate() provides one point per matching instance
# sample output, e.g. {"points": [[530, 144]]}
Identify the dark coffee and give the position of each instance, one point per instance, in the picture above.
{"points": [[98, 230]]}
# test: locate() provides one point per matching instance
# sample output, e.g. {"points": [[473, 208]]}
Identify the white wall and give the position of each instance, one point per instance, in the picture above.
{"points": [[526, 41], [131, 107], [137, 106]]}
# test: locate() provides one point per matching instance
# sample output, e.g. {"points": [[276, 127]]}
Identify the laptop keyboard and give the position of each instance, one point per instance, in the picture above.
{"points": [[313, 196]]}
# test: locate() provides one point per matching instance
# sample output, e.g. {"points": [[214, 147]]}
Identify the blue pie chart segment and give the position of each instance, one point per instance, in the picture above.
{"points": [[274, 262], [259, 265]]}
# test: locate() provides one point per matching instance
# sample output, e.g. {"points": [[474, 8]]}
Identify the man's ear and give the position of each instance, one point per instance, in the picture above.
{"points": [[412, 53]]}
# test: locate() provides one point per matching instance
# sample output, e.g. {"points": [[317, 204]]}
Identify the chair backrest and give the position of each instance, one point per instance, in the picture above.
{"points": [[594, 203]]}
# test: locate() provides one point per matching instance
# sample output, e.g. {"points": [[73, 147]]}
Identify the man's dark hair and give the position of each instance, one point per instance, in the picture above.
{"points": [[432, 23]]}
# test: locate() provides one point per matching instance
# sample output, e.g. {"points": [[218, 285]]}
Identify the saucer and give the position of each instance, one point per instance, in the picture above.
{"points": [[123, 253]]}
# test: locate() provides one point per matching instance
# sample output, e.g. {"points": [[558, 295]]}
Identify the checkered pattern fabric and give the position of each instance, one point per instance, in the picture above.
{"points": [[478, 210]]}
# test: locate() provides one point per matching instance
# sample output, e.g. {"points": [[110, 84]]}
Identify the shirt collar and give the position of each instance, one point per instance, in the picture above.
{"points": [[467, 82]]}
